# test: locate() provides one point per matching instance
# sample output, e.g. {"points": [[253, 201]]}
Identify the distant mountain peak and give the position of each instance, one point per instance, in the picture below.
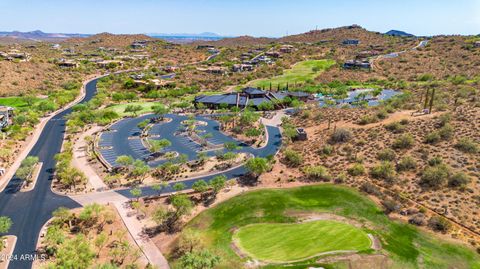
{"points": [[398, 33]]}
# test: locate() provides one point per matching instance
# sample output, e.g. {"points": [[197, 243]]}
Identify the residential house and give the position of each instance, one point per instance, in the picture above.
{"points": [[109, 63], [351, 42], [6, 116], [218, 70], [286, 48], [357, 64], [205, 47], [242, 67], [273, 54], [65, 63], [15, 55]]}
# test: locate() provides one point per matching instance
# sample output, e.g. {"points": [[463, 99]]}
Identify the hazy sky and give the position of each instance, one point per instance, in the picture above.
{"points": [[239, 17]]}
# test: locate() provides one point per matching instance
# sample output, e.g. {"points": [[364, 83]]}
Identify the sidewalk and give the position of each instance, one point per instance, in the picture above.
{"points": [[80, 160], [149, 249]]}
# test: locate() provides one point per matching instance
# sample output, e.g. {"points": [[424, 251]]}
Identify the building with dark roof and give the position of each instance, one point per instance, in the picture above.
{"points": [[247, 97], [351, 42], [357, 64]]}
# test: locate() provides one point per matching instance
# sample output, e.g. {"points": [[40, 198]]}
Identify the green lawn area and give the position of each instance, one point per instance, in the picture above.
{"points": [[14, 101], [294, 241], [120, 108], [299, 73], [406, 246]]}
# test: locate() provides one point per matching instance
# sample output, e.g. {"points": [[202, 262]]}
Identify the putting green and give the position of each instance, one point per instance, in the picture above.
{"points": [[279, 242], [299, 73]]}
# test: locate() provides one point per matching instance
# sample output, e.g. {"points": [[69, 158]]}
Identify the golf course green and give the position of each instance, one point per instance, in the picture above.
{"points": [[405, 245], [283, 242], [299, 73]]}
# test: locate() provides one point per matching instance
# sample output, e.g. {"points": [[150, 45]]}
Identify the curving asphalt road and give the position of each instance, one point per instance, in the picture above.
{"points": [[29, 211]]}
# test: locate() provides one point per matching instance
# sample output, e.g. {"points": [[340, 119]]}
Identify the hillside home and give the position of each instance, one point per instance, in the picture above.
{"points": [[65, 63], [109, 63], [15, 55], [286, 48], [351, 42], [6, 116], [357, 64], [273, 54], [242, 67], [217, 70], [476, 44]]}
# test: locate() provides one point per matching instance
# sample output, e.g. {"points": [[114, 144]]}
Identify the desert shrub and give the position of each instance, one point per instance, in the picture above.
{"points": [[386, 155], [327, 150], [432, 138], [435, 161], [395, 127], [341, 135], [382, 114], [293, 158], [356, 170], [446, 132], [439, 224], [458, 180], [405, 141], [435, 176], [444, 119], [369, 188], [417, 219], [367, 119], [385, 170], [390, 206], [407, 163], [317, 172], [340, 178], [467, 145]]}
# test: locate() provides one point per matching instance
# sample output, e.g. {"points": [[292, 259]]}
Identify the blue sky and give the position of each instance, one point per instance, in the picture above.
{"points": [[240, 17]]}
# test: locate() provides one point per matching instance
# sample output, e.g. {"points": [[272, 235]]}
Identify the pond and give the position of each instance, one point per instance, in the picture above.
{"points": [[357, 95]]}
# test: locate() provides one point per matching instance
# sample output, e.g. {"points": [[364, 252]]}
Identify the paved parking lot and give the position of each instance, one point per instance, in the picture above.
{"points": [[123, 138]]}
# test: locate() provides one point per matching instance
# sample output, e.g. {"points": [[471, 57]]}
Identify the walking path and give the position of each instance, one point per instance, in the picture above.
{"points": [[80, 160], [149, 249]]}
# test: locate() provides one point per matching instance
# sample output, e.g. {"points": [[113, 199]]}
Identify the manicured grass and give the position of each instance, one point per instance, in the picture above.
{"points": [[299, 73], [15, 102], [120, 108], [289, 242], [406, 245]]}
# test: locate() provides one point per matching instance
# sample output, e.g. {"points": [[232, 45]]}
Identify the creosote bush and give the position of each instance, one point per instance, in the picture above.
{"points": [[293, 158], [407, 163], [405, 141], [386, 155], [385, 170], [467, 145], [317, 172], [341, 135], [356, 170]]}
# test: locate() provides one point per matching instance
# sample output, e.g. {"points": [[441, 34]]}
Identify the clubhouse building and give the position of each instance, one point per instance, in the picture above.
{"points": [[252, 97]]}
